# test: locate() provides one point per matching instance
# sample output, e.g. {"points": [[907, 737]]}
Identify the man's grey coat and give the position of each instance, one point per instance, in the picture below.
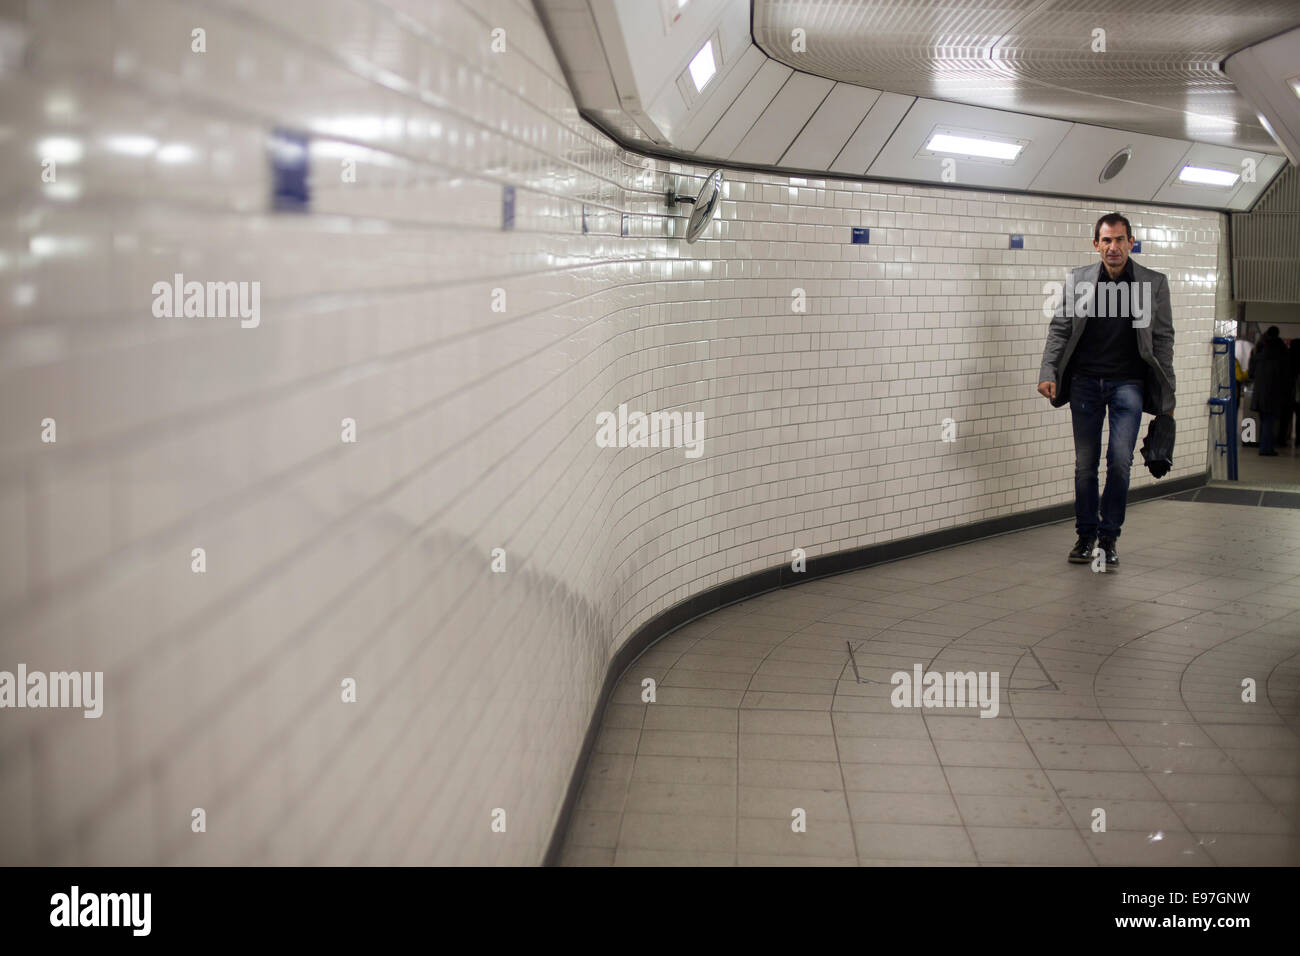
{"points": [[1155, 341]]}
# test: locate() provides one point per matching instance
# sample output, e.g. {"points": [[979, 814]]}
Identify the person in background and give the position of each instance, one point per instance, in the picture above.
{"points": [[1289, 407], [1244, 348], [1268, 371]]}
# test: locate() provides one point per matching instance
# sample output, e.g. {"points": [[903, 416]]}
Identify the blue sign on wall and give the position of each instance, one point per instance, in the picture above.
{"points": [[289, 168], [861, 236], [1137, 245], [507, 207], [1017, 241]]}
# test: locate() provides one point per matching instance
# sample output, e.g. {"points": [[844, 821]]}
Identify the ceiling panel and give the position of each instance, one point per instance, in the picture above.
{"points": [[899, 159], [1077, 165], [748, 107], [830, 127], [1216, 157], [787, 114], [871, 135]]}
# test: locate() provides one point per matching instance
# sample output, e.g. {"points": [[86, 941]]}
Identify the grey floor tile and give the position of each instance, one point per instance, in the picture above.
{"points": [[821, 775], [1251, 849], [985, 753], [886, 807], [1113, 785], [667, 831], [1134, 848], [999, 781], [1084, 757], [1232, 818], [574, 855], [641, 856], [788, 747], [988, 810], [689, 799], [686, 743], [894, 778], [907, 841], [767, 859], [1207, 787], [713, 770], [785, 722], [714, 719], [776, 837], [780, 803], [594, 828], [1146, 816], [1025, 845], [890, 750]]}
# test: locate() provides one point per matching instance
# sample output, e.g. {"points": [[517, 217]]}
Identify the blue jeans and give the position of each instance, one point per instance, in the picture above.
{"points": [[1089, 400]]}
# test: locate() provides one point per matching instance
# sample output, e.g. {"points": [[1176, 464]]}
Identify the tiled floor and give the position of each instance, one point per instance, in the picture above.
{"points": [[1119, 692], [1282, 471]]}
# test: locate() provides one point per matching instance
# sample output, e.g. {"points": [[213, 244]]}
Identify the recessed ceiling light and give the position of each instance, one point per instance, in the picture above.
{"points": [[1205, 176], [974, 146], [703, 66]]}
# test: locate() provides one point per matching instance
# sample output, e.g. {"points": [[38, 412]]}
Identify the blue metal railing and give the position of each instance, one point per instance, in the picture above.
{"points": [[1227, 407]]}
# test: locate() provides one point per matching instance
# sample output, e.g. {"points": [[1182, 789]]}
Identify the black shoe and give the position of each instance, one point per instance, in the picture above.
{"points": [[1082, 552], [1107, 546]]}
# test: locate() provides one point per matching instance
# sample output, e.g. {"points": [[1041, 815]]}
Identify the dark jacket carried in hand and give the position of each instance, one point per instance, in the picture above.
{"points": [[1158, 446], [1268, 362], [1155, 338]]}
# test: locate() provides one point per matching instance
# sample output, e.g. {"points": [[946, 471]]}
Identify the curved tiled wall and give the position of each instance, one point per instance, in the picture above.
{"points": [[371, 560]]}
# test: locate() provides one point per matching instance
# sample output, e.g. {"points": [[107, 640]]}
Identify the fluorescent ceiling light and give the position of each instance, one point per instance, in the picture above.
{"points": [[970, 146], [175, 153], [132, 145], [1202, 176], [62, 149], [1295, 85], [702, 66]]}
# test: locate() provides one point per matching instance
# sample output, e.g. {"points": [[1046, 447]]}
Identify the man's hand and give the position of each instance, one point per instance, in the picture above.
{"points": [[1047, 389]]}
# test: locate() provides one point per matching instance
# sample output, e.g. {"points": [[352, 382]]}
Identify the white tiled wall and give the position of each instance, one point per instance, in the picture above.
{"points": [[370, 561]]}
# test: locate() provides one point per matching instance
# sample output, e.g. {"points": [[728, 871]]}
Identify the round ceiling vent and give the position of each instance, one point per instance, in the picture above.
{"points": [[1115, 164]]}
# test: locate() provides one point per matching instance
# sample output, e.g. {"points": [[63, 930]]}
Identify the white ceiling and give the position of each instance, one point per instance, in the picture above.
{"points": [[1159, 73], [875, 79]]}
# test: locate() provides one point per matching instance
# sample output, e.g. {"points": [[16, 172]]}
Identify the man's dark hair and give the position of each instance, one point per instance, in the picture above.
{"points": [[1273, 332], [1111, 219]]}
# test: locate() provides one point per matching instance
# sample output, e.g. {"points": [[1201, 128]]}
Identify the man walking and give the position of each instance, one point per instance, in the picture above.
{"points": [[1110, 349]]}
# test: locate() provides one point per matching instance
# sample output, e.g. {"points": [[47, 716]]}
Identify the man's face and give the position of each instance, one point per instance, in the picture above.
{"points": [[1113, 244]]}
